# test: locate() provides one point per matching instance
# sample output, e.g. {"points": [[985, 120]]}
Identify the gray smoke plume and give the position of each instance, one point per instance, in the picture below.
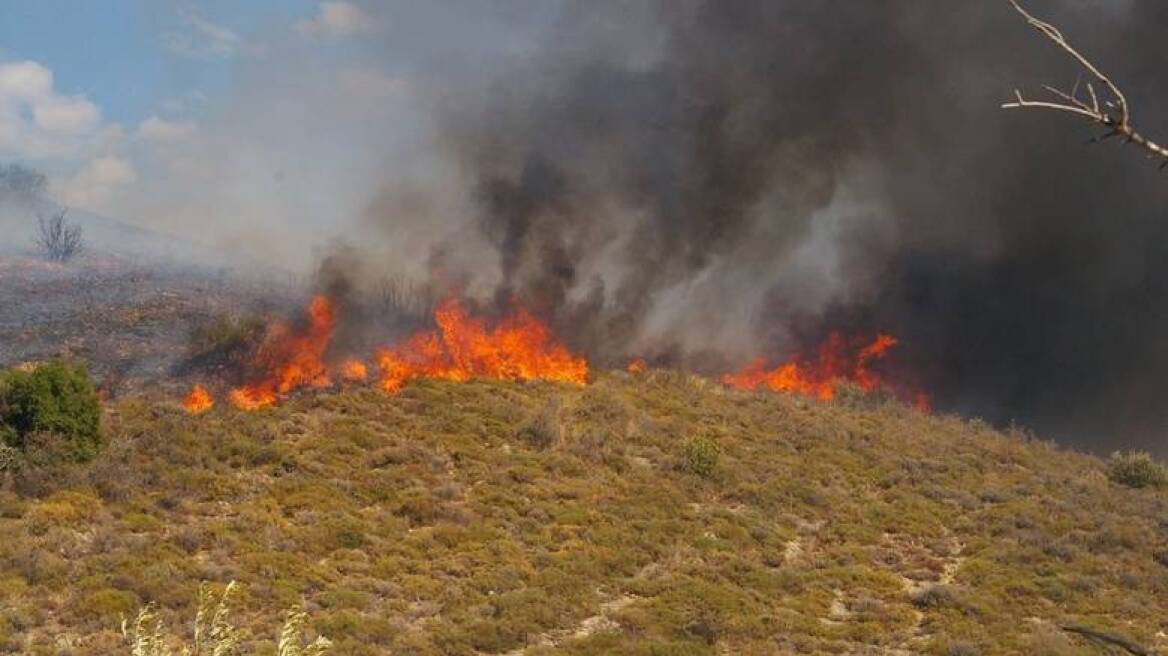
{"points": [[739, 177]]}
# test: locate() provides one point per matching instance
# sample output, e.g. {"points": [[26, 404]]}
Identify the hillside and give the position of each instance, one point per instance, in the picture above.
{"points": [[656, 513]]}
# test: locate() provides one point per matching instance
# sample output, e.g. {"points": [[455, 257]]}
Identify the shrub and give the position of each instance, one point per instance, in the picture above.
{"points": [[56, 399], [59, 240], [224, 339], [544, 428], [1136, 469], [700, 456], [934, 596]]}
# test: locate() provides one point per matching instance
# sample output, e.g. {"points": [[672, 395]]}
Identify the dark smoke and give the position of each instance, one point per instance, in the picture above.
{"points": [[746, 175]]}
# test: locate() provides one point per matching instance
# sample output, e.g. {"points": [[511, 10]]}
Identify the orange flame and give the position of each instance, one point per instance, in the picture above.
{"points": [[520, 347], [637, 365], [291, 357], [820, 378], [354, 371], [198, 401]]}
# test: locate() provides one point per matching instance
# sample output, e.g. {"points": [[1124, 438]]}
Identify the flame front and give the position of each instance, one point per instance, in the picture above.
{"points": [[520, 347], [198, 401], [821, 378], [292, 357], [354, 371], [637, 365]]}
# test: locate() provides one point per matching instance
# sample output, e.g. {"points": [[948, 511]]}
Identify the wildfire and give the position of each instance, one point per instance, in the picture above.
{"points": [[519, 347], [837, 362], [198, 401], [354, 371], [291, 357]]}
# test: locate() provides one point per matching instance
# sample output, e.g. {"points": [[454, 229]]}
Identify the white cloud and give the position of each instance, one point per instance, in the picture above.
{"points": [[96, 183], [66, 115], [36, 120], [338, 18], [25, 80], [160, 130], [202, 39]]}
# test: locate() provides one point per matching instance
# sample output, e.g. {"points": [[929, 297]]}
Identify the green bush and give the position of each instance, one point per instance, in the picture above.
{"points": [[55, 399], [1137, 470], [700, 456], [224, 339]]}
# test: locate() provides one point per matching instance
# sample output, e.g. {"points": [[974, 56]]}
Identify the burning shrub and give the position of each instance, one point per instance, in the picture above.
{"points": [[700, 456], [1136, 469], [56, 399]]}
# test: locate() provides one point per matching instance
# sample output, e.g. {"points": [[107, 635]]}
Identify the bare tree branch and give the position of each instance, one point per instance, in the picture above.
{"points": [[1114, 114]]}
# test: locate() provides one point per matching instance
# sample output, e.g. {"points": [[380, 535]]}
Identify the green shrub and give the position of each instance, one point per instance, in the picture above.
{"points": [[1136, 469], [700, 456], [224, 339], [56, 399]]}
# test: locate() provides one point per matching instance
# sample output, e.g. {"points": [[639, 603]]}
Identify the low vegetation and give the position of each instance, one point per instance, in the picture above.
{"points": [[648, 514]]}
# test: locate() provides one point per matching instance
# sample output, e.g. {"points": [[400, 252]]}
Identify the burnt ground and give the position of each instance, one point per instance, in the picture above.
{"points": [[128, 320]]}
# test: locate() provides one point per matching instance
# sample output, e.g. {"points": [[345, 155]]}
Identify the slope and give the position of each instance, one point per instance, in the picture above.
{"points": [[656, 513]]}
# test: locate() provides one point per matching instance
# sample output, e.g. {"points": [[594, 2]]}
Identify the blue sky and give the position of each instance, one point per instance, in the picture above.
{"points": [[261, 122], [120, 54]]}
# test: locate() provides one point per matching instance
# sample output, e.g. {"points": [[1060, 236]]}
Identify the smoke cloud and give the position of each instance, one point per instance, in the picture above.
{"points": [[685, 178]]}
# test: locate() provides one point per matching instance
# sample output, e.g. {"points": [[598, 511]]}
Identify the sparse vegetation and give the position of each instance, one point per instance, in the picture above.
{"points": [[51, 406], [1137, 469], [59, 240], [400, 297]]}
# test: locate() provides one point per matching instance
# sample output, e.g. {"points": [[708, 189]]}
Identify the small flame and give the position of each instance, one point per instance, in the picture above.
{"points": [[637, 365], [822, 377], [291, 358], [354, 371], [198, 401], [520, 347]]}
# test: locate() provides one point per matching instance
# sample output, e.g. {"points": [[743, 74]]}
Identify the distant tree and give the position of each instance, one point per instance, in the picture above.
{"points": [[59, 240], [20, 183]]}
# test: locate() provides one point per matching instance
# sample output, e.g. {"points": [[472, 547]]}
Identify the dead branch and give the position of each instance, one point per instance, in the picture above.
{"points": [[1110, 639], [1112, 113]]}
